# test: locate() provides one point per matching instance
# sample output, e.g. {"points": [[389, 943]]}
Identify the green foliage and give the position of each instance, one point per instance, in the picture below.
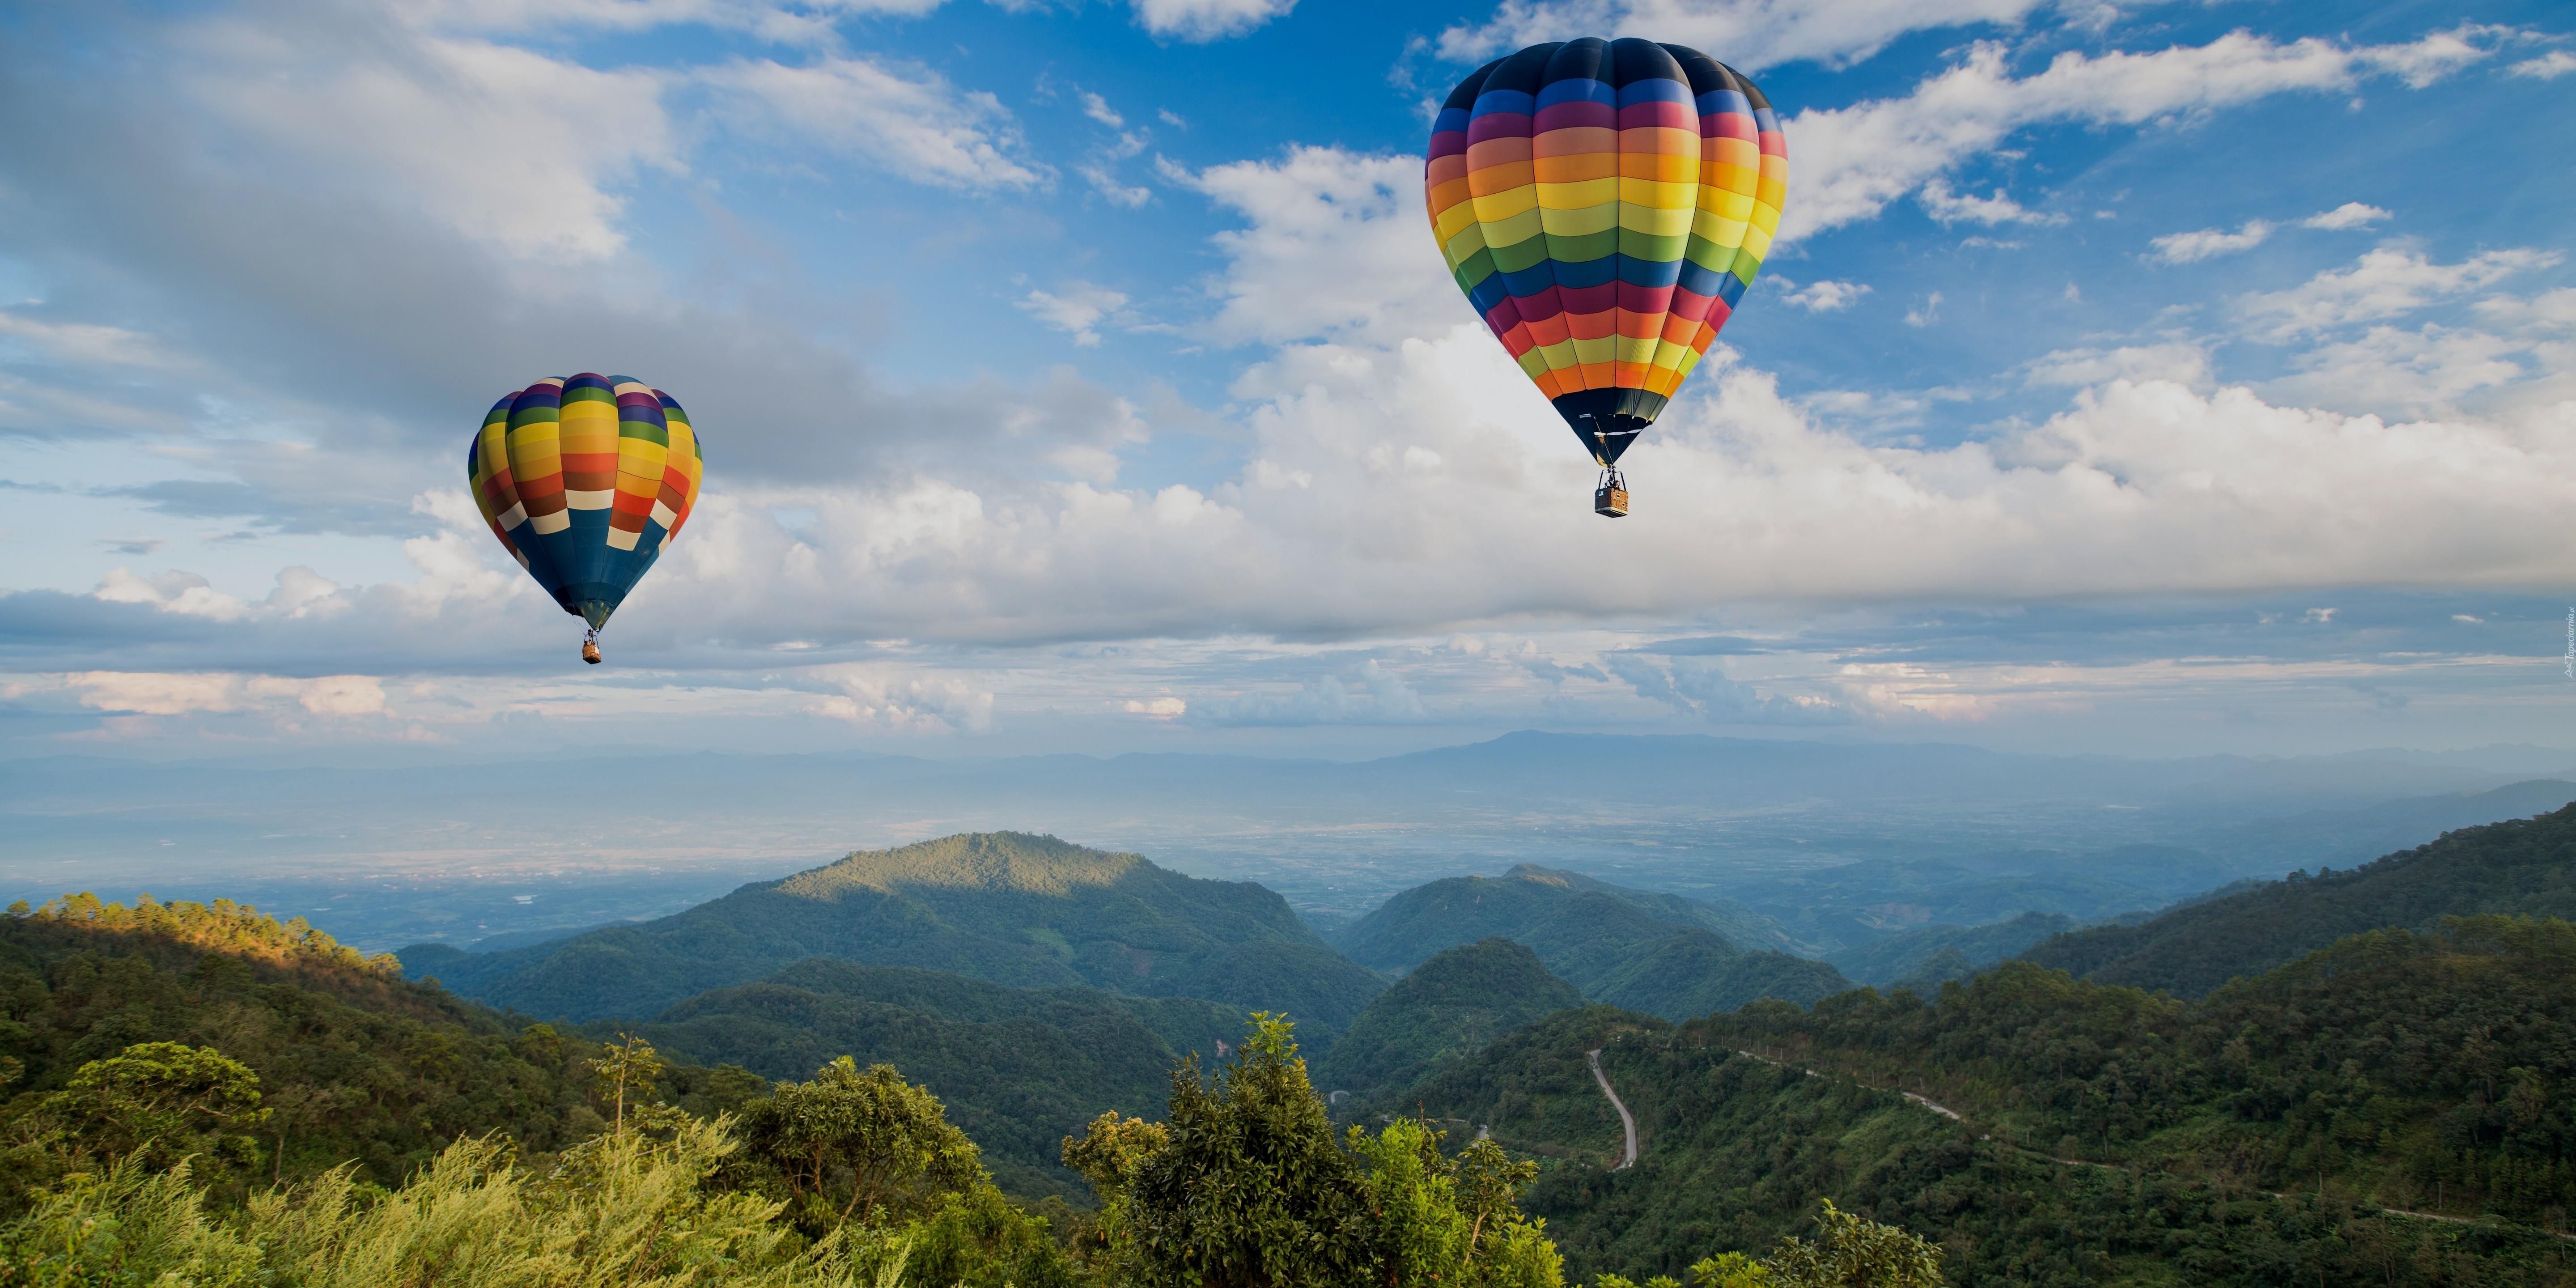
{"points": [[1854, 1252], [1656, 953], [630, 1210], [1026, 911], [157, 1103], [859, 1145], [1017, 1069], [1247, 1187], [2519, 867], [1450, 1005], [2280, 1130], [350, 1061], [1911, 953]]}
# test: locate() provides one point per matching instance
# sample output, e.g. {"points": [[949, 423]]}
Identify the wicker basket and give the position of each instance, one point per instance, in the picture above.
{"points": [[1611, 501]]}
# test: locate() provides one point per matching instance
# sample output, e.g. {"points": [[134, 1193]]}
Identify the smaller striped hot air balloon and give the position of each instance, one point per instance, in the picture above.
{"points": [[585, 479]]}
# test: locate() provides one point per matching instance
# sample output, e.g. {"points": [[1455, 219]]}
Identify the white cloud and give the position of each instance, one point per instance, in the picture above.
{"points": [[1699, 686], [2423, 370], [87, 344], [1851, 162], [1926, 314], [2191, 248], [1106, 183], [1824, 297], [802, 22], [912, 123], [1373, 695], [500, 143], [1199, 21], [1749, 34], [1949, 208], [1098, 109], [1075, 308], [2180, 362], [2549, 66], [1340, 247], [2351, 214], [2384, 283], [901, 699], [172, 694]]}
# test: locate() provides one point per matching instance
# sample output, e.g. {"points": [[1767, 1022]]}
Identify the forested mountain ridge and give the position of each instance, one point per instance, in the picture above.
{"points": [[1614, 944], [2277, 1132], [1025, 911], [1018, 1069], [1448, 1007], [355, 1062], [1908, 952], [2523, 866]]}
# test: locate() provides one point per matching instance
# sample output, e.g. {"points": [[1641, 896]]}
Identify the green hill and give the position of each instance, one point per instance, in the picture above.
{"points": [[1633, 948], [1019, 1069], [2385, 1111], [1026, 911], [1450, 1005], [1905, 954], [356, 1062], [2527, 866]]}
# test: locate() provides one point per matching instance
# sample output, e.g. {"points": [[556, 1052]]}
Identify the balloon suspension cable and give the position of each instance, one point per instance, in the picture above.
{"points": [[590, 646]]}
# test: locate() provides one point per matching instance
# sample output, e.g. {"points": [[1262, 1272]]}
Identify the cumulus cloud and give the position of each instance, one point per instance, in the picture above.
{"points": [[1750, 34], [2384, 283], [1699, 686], [1823, 297], [1372, 695], [1947, 207], [1200, 21], [1339, 246], [159, 694], [1853, 161], [2208, 243], [501, 143], [2179, 362], [909, 120], [1076, 308], [2351, 214], [2549, 66]]}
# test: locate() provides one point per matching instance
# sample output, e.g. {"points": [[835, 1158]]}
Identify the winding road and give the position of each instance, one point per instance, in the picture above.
{"points": [[1626, 1119]]}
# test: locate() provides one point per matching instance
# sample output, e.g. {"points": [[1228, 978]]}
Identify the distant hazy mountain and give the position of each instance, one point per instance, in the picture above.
{"points": [[1020, 1069], [1898, 956], [2526, 867], [1633, 948], [1026, 911], [1454, 1003]]}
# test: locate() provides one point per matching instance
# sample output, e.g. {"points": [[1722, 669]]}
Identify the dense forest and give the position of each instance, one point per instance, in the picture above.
{"points": [[1658, 953], [1017, 1068], [2523, 866], [1027, 911], [2389, 1110], [1447, 1008], [166, 1161]]}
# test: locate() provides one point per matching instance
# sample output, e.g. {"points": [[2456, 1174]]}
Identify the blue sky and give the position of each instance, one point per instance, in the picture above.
{"points": [[2133, 377]]}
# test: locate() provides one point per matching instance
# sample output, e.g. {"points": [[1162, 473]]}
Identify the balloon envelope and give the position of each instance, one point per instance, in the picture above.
{"points": [[585, 480], [1604, 204]]}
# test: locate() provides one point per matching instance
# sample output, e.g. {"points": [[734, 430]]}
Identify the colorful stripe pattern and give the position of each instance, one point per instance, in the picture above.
{"points": [[1604, 204], [585, 480]]}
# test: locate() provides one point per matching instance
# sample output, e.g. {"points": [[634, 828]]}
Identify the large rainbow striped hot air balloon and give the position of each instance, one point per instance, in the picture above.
{"points": [[585, 480], [1604, 204]]}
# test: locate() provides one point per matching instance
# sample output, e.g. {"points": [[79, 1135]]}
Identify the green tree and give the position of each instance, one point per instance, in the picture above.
{"points": [[627, 1067], [1854, 1252], [160, 1102], [1250, 1189], [859, 1145]]}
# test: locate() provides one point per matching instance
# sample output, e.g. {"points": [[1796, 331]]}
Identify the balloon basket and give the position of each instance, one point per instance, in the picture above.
{"points": [[590, 651], [1610, 499]]}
